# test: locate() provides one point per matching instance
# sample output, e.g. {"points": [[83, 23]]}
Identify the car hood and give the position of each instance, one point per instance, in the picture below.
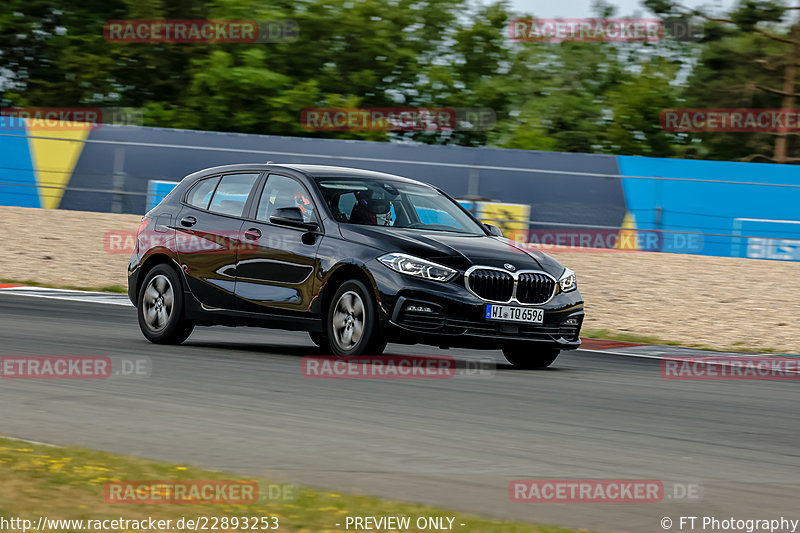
{"points": [[453, 250]]}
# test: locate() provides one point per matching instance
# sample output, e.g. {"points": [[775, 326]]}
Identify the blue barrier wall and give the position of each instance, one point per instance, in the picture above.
{"points": [[739, 199], [116, 163], [146, 154], [18, 185]]}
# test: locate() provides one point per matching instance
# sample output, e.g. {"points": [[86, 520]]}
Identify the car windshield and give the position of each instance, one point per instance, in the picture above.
{"points": [[394, 204]]}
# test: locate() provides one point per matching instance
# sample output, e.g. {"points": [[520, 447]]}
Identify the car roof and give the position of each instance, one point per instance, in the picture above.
{"points": [[314, 171], [328, 171]]}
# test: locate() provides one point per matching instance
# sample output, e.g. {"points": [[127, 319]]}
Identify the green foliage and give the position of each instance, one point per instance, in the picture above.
{"points": [[571, 96], [636, 107], [749, 13]]}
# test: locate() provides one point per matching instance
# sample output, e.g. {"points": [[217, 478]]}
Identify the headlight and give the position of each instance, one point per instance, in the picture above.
{"points": [[567, 282], [414, 266]]}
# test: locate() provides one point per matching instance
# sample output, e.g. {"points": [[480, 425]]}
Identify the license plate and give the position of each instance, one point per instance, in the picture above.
{"points": [[514, 314]]}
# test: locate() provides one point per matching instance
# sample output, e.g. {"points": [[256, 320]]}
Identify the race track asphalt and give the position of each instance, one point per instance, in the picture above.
{"points": [[234, 399]]}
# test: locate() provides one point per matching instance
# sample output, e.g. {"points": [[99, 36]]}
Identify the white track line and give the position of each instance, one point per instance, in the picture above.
{"points": [[610, 352], [118, 299], [92, 297], [31, 441]]}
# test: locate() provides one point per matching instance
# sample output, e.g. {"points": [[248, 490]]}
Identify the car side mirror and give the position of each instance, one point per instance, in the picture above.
{"points": [[494, 230], [291, 216]]}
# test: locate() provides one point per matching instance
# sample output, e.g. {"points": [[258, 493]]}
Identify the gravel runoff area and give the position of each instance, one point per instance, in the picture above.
{"points": [[715, 302]]}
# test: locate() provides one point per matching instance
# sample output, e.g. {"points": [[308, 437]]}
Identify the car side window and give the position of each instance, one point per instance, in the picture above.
{"points": [[231, 194], [200, 194], [281, 191]]}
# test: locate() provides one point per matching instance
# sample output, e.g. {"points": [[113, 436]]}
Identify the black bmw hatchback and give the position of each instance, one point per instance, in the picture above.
{"points": [[356, 258]]}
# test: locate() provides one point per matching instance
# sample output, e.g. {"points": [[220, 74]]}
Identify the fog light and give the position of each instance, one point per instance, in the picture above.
{"points": [[418, 309], [571, 322]]}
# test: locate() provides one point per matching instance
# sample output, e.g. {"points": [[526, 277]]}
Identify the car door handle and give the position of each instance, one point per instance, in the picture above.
{"points": [[188, 221], [253, 234]]}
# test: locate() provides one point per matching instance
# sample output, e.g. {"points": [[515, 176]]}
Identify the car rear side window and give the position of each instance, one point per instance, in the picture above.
{"points": [[231, 194], [201, 192]]}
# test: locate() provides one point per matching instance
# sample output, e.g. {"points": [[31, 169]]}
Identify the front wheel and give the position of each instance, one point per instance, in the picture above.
{"points": [[530, 357], [160, 309], [351, 324]]}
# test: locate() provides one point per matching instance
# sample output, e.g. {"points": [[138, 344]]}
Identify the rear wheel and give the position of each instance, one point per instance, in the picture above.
{"points": [[160, 309], [351, 323], [529, 356]]}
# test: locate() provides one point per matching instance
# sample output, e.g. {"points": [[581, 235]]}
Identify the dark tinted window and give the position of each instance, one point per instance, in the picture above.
{"points": [[395, 204], [281, 191], [232, 193], [201, 193]]}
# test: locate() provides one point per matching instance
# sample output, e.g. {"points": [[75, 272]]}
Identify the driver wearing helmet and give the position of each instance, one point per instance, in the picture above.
{"points": [[306, 207]]}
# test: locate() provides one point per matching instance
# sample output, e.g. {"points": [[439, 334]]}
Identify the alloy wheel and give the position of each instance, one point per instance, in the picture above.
{"points": [[158, 302], [348, 320]]}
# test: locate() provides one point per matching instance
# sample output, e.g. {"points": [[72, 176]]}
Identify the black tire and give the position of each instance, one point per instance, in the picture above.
{"points": [[358, 313], [528, 356], [160, 307]]}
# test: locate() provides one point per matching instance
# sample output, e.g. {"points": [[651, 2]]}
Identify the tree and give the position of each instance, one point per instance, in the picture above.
{"points": [[749, 59], [589, 96], [55, 53]]}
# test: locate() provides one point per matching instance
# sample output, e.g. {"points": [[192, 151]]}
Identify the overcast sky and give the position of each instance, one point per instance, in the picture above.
{"points": [[583, 8]]}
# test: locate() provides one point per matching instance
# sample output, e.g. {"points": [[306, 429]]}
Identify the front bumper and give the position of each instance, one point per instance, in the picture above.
{"points": [[446, 314]]}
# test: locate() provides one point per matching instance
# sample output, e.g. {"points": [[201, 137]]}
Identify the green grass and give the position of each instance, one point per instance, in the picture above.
{"points": [[645, 339], [67, 483], [32, 283], [625, 337]]}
